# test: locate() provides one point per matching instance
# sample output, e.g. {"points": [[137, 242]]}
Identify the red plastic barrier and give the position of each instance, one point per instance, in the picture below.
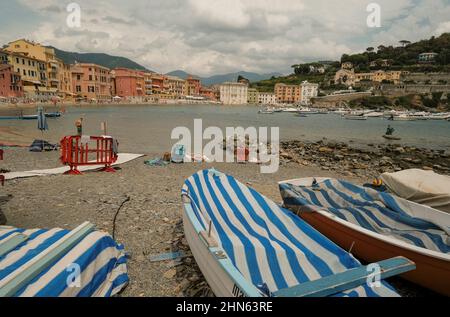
{"points": [[74, 153]]}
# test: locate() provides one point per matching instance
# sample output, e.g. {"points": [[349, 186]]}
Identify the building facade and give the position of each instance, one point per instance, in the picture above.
{"points": [[266, 98], [91, 82], [128, 83], [10, 82], [348, 77], [193, 86], [288, 94], [177, 87], [252, 97], [233, 93], [427, 57], [309, 91]]}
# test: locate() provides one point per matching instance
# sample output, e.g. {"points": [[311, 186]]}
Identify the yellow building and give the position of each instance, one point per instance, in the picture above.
{"points": [[33, 75], [177, 87], [56, 70]]}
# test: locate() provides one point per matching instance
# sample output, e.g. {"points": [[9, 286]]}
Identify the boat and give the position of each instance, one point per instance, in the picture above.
{"points": [[439, 116], [31, 116], [391, 137], [423, 187], [289, 110], [355, 117], [266, 111], [376, 225], [404, 117], [53, 114], [248, 246], [306, 110], [374, 114], [301, 115], [46, 262]]}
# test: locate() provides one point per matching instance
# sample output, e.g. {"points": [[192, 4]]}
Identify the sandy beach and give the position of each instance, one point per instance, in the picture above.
{"points": [[150, 223]]}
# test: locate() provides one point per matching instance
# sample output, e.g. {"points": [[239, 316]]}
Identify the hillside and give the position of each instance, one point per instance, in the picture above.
{"points": [[98, 58], [405, 56], [218, 79]]}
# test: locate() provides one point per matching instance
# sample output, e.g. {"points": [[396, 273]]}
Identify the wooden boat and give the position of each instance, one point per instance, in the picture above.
{"points": [[391, 137], [247, 246], [376, 225]]}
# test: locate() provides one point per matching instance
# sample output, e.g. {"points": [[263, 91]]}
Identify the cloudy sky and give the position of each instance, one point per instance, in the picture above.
{"points": [[208, 37]]}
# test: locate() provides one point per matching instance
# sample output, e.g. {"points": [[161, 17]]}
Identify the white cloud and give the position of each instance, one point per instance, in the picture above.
{"points": [[217, 36]]}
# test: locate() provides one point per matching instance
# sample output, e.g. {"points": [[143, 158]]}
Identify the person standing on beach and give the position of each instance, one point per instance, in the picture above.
{"points": [[79, 125]]}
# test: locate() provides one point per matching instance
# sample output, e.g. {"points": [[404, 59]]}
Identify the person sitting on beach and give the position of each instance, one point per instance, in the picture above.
{"points": [[390, 130]]}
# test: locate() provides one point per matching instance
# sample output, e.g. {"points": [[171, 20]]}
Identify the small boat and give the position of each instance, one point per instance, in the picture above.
{"points": [[248, 246], [266, 111], [289, 110], [374, 114], [29, 117], [376, 225], [391, 137], [420, 186], [53, 114], [306, 110], [404, 117], [355, 117], [301, 115]]}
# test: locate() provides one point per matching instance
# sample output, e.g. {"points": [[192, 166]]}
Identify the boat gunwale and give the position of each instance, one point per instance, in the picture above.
{"points": [[375, 235]]}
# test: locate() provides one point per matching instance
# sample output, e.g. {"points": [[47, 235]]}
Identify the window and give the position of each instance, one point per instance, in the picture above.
{"points": [[24, 72], [17, 60], [78, 88], [23, 61], [90, 77], [78, 77]]}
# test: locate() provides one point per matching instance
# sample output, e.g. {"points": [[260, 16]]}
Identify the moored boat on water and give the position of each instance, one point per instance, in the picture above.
{"points": [[354, 117], [246, 245], [266, 111], [376, 225]]}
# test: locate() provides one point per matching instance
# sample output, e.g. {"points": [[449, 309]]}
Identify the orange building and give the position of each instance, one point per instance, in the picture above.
{"points": [[289, 94], [193, 86], [10, 82], [160, 85], [91, 82], [208, 93], [128, 82]]}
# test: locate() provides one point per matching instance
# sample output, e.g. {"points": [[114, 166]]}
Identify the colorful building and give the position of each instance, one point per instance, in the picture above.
{"points": [[177, 87], [208, 93], [233, 93], [160, 86], [128, 83], [288, 94], [252, 96], [10, 82], [266, 98], [57, 74], [91, 82], [309, 91], [193, 86]]}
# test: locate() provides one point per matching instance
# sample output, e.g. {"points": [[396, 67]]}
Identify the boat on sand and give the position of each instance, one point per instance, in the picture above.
{"points": [[376, 225], [391, 137], [248, 246]]}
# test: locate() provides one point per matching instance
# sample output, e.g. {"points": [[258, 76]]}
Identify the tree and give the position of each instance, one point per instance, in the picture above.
{"points": [[370, 49], [404, 42]]}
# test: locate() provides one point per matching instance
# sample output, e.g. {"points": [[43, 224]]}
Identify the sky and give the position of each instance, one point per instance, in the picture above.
{"points": [[207, 37]]}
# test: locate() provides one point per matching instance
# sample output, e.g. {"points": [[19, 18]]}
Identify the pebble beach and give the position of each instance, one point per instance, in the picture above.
{"points": [[150, 223]]}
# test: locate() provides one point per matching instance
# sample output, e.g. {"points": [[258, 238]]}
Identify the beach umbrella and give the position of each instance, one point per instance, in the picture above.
{"points": [[42, 123]]}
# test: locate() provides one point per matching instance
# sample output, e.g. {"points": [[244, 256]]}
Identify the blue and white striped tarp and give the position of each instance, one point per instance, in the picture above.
{"points": [[101, 262], [270, 246], [379, 212]]}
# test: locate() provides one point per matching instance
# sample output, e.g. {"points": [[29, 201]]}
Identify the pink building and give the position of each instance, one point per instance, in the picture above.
{"points": [[10, 82], [128, 82], [91, 82]]}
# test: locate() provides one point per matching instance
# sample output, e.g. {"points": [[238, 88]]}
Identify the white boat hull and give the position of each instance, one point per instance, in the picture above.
{"points": [[221, 275]]}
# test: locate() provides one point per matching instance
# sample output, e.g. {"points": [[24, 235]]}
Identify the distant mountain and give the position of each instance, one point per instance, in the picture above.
{"points": [[218, 79], [98, 58]]}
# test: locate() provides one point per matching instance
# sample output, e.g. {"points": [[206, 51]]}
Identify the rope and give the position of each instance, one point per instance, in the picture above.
{"points": [[115, 217]]}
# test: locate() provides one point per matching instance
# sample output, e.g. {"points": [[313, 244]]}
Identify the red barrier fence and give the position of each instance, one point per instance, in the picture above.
{"points": [[75, 152]]}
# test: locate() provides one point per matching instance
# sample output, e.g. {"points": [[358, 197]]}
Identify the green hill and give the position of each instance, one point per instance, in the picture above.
{"points": [[405, 56], [98, 58]]}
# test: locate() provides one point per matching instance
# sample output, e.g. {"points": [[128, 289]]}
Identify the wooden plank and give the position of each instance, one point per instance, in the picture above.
{"points": [[12, 242], [14, 282], [353, 278]]}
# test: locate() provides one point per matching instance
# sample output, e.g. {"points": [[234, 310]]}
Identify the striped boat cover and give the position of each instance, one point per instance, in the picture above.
{"points": [[270, 246], [379, 212], [102, 264]]}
